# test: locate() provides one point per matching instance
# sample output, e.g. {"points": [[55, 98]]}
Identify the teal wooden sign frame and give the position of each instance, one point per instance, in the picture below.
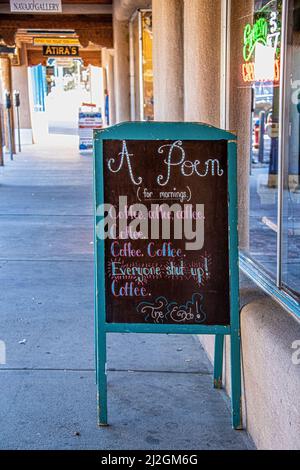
{"points": [[184, 132]]}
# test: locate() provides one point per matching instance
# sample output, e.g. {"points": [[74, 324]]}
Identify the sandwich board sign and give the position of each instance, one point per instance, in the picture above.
{"points": [[166, 243]]}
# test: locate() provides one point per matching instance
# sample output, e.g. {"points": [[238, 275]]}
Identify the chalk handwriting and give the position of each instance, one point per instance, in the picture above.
{"points": [[162, 311], [124, 155], [176, 157]]}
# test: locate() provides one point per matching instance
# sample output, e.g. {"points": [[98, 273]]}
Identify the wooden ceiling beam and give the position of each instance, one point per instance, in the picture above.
{"points": [[89, 28]]}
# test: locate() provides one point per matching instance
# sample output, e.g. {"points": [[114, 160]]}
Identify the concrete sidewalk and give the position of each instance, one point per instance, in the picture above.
{"points": [[159, 387]]}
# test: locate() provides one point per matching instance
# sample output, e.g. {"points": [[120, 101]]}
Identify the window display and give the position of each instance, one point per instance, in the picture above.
{"points": [[291, 168], [141, 66], [274, 213], [260, 70]]}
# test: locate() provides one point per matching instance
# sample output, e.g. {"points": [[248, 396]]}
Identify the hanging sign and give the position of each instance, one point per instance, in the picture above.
{"points": [[166, 234], [261, 49], [35, 6], [61, 51], [7, 49], [50, 41]]}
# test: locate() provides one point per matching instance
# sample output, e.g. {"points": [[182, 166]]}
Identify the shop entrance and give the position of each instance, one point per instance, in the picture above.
{"points": [[60, 91], [53, 86]]}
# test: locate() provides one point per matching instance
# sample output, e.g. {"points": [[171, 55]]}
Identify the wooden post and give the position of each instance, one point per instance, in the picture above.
{"points": [[218, 361], [6, 79]]}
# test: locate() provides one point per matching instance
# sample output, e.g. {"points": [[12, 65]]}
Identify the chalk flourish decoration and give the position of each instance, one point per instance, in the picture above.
{"points": [[163, 311]]}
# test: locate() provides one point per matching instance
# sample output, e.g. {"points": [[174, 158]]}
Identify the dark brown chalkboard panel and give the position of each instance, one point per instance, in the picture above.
{"points": [[160, 281]]}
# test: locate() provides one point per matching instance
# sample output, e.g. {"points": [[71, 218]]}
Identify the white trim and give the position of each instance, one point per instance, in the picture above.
{"points": [[141, 67], [283, 138], [136, 116], [225, 63], [225, 93], [268, 285], [131, 70]]}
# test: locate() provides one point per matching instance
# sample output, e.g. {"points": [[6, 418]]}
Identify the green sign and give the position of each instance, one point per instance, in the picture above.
{"points": [[258, 33]]}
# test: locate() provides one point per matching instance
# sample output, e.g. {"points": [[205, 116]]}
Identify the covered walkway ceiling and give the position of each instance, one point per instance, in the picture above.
{"points": [[90, 19]]}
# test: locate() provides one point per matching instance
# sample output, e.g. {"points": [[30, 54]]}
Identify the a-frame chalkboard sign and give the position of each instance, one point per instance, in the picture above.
{"points": [[166, 242]]}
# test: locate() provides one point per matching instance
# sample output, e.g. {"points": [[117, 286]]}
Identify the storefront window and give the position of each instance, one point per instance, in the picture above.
{"points": [[147, 72], [261, 71], [141, 66], [271, 50], [291, 169]]}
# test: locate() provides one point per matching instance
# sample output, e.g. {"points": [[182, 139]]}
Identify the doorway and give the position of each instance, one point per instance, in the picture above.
{"points": [[59, 91]]}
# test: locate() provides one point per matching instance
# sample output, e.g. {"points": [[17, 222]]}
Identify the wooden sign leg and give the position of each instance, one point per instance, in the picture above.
{"points": [[96, 340], [102, 379], [235, 351], [218, 361]]}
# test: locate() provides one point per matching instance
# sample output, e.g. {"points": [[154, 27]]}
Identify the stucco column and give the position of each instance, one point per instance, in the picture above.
{"points": [[121, 69], [168, 59], [240, 111], [20, 82], [111, 87], [202, 44]]}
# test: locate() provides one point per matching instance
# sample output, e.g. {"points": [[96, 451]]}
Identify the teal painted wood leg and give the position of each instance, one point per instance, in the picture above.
{"points": [[235, 351], [96, 341], [102, 379], [218, 361], [96, 322]]}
